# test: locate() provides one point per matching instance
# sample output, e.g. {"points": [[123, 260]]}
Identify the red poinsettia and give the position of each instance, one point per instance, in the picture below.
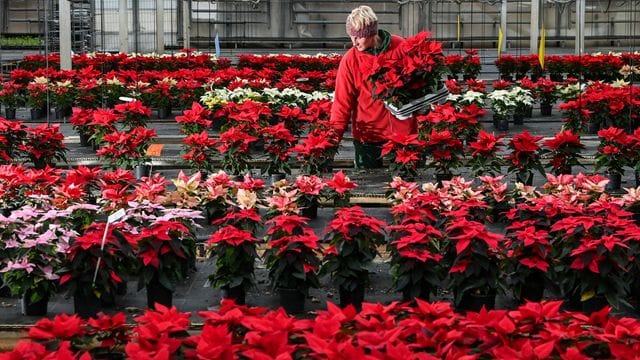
{"points": [[199, 151], [194, 120], [410, 72], [406, 153], [564, 148], [524, 156]]}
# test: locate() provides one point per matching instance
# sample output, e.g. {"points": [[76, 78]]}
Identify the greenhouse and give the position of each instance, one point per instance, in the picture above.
{"points": [[262, 179]]}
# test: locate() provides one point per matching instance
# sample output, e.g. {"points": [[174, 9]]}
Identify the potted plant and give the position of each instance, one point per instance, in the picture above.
{"points": [[415, 259], [128, 150], [524, 157], [592, 258], [80, 120], [103, 122], [199, 151], [445, 153], [37, 239], [503, 106], [37, 97], [316, 152], [353, 238], [523, 103], [555, 65], [194, 120], [412, 72], [12, 97], [547, 94], [471, 65], [134, 114], [44, 145], [506, 65], [63, 94], [473, 256], [527, 257], [338, 189], [292, 258], [91, 271], [214, 195], [278, 144], [613, 155], [455, 66], [235, 253], [564, 149], [163, 249], [233, 145], [484, 157], [160, 96], [309, 190], [14, 133], [405, 154]]}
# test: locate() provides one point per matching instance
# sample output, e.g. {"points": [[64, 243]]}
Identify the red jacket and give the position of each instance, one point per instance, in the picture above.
{"points": [[370, 121]]}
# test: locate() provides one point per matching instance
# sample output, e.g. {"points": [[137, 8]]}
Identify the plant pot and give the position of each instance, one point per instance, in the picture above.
{"points": [[237, 294], [475, 302], [556, 77], [86, 305], [311, 211], [36, 113], [292, 300], [158, 294], [518, 119], [353, 297], [615, 182], [141, 171], [592, 128], [257, 147], [411, 294], [40, 164], [501, 123], [164, 113], [594, 304], [60, 113], [533, 287], [10, 113], [637, 176], [38, 308], [84, 139], [545, 109]]}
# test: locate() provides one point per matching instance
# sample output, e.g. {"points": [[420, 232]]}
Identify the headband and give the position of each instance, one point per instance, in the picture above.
{"points": [[365, 32]]}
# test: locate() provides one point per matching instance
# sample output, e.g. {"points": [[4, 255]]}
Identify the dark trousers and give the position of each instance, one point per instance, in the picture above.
{"points": [[368, 155]]}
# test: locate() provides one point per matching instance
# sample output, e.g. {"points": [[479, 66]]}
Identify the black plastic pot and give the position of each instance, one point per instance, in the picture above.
{"points": [[443, 177], [84, 139], [141, 171], [594, 304], [36, 113], [475, 302], [545, 109], [10, 113], [158, 294], [38, 308], [533, 287], [86, 305], [237, 294], [501, 123], [518, 119], [615, 182], [164, 113], [292, 300], [311, 211], [353, 297], [410, 294]]}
